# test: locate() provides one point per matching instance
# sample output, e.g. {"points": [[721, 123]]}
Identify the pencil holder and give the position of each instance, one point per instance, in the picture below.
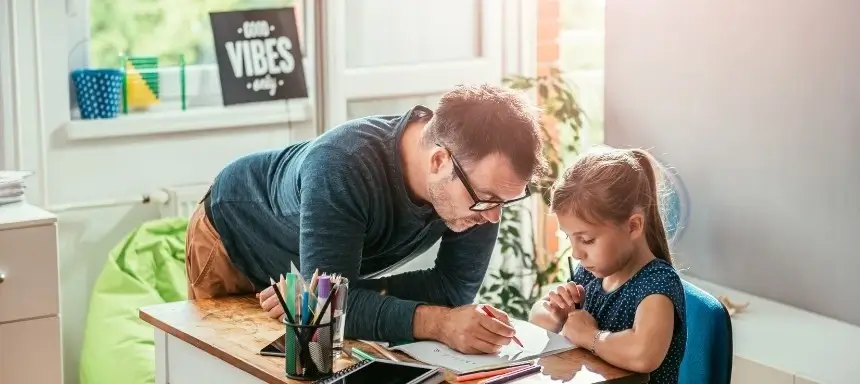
{"points": [[309, 353], [98, 92]]}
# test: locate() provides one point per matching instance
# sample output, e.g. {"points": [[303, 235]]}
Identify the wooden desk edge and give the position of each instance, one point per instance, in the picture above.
{"points": [[209, 348], [635, 378]]}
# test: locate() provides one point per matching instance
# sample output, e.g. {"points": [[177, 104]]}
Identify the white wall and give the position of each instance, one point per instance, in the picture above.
{"points": [[755, 104]]}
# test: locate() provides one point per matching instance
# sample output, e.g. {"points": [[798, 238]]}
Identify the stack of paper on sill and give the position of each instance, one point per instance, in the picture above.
{"points": [[537, 342], [12, 186]]}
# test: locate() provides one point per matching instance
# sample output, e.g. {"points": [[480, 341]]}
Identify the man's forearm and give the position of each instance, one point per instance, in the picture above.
{"points": [[428, 321], [372, 316], [433, 286]]}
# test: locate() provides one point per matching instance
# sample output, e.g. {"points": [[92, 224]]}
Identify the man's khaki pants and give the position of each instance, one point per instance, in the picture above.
{"points": [[208, 268]]}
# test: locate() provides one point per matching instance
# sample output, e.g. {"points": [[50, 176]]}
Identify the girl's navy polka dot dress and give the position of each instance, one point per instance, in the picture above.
{"points": [[615, 311]]}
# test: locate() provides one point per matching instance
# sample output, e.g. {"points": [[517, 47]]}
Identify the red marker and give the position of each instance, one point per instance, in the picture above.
{"points": [[489, 313]]}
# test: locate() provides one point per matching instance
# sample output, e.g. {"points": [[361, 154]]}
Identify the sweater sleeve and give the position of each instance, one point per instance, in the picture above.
{"points": [[335, 208], [461, 265]]}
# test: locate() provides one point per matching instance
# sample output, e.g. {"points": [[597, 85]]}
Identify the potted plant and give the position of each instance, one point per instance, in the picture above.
{"points": [[528, 267]]}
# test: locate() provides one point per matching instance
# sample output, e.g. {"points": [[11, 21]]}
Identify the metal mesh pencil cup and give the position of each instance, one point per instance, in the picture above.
{"points": [[309, 354]]}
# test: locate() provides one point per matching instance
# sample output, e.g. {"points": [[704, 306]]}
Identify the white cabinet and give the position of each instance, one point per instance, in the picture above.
{"points": [[30, 351], [30, 338], [749, 372], [28, 263], [746, 371]]}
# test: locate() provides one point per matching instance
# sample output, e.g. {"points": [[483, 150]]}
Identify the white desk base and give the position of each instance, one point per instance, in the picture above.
{"points": [[177, 362]]}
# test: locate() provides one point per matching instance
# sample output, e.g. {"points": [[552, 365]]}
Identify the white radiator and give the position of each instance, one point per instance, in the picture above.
{"points": [[181, 200]]}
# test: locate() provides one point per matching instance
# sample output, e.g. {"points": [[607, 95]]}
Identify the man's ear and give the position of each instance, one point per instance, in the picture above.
{"points": [[636, 225], [439, 160]]}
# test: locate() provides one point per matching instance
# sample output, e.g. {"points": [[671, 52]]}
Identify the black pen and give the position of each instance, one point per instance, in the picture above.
{"points": [[570, 264], [284, 305]]}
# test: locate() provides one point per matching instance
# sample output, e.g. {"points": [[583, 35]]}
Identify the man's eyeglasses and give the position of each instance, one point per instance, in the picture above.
{"points": [[481, 205]]}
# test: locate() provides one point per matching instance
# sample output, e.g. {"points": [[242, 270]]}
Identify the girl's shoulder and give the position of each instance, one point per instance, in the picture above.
{"points": [[660, 270], [658, 277]]}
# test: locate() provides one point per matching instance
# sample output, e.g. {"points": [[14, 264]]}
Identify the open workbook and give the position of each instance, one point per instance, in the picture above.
{"points": [[537, 342]]}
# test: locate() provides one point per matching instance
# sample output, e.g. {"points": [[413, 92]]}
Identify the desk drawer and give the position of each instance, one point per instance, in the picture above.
{"points": [[31, 352], [28, 262]]}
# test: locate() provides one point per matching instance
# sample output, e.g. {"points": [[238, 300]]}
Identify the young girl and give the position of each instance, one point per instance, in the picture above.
{"points": [[631, 298]]}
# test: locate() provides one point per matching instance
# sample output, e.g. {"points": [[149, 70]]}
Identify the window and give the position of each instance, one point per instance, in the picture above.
{"points": [[102, 31], [581, 45]]}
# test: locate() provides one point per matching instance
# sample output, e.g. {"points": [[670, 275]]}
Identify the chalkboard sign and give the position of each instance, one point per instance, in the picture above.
{"points": [[259, 56]]}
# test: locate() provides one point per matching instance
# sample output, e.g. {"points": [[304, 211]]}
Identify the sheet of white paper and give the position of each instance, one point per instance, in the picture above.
{"points": [[537, 342]]}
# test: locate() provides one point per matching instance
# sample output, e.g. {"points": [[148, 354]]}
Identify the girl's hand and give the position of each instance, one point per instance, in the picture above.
{"points": [[580, 328], [562, 300]]}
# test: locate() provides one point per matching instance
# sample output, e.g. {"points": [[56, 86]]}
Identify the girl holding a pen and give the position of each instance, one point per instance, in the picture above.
{"points": [[625, 301]]}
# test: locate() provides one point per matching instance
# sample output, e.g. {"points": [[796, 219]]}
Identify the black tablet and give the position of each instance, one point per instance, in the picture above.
{"points": [[386, 372]]}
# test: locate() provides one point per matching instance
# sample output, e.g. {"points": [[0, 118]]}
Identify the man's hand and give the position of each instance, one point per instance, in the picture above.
{"points": [[561, 301], [469, 330], [269, 303]]}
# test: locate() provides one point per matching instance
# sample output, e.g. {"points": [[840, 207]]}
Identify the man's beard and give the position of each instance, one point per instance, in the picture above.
{"points": [[444, 208]]}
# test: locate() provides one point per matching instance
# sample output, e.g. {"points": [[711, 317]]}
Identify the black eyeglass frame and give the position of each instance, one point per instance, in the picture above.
{"points": [[480, 205]]}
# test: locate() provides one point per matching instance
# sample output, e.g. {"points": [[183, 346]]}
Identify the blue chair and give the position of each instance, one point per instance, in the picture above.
{"points": [[708, 356]]}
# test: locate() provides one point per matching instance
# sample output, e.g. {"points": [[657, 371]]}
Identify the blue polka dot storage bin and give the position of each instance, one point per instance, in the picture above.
{"points": [[99, 92]]}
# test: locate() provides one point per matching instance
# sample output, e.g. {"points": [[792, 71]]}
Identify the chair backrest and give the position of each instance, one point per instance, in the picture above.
{"points": [[708, 356]]}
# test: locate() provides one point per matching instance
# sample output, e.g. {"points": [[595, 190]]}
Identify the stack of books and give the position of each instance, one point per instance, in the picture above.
{"points": [[12, 186]]}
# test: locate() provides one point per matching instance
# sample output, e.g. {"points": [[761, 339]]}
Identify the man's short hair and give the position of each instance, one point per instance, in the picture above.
{"points": [[474, 121]]}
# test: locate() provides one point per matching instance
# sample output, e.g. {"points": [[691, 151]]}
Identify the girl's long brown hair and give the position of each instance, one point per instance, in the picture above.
{"points": [[608, 185]]}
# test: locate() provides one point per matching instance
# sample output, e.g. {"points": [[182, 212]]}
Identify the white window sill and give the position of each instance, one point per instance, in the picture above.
{"points": [[191, 120], [790, 340]]}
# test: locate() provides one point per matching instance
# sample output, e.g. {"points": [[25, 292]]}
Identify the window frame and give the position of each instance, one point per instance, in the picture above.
{"points": [[8, 152], [574, 77], [202, 86], [569, 36], [344, 83]]}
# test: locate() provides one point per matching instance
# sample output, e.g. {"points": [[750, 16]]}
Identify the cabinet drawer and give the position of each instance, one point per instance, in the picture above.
{"points": [[30, 352], [28, 261], [749, 372]]}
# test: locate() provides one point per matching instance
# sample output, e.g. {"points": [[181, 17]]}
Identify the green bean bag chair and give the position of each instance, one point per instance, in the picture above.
{"points": [[146, 268]]}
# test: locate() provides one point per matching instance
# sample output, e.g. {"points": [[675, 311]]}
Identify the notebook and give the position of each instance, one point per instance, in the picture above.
{"points": [[537, 342], [393, 372]]}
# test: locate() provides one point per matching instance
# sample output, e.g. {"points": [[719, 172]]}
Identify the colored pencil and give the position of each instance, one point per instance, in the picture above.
{"points": [[381, 350], [511, 376], [489, 313], [362, 354], [495, 367], [570, 264], [484, 375], [312, 286]]}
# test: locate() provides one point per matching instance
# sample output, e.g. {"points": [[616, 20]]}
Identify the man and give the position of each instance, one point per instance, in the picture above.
{"points": [[368, 196]]}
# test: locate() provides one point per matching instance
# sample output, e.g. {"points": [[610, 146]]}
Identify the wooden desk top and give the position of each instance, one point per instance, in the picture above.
{"points": [[235, 329]]}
